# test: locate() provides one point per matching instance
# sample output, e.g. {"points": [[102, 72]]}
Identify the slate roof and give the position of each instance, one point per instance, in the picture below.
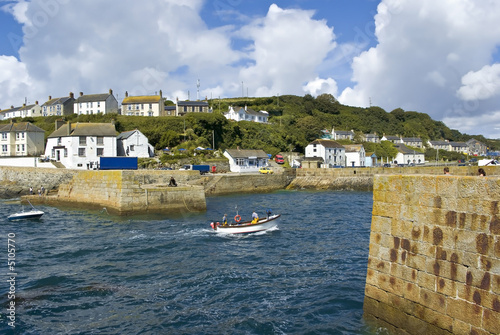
{"points": [[20, 127], [92, 97], [238, 153], [353, 147], [57, 101], [405, 150], [192, 103], [126, 134], [85, 129], [328, 144]]}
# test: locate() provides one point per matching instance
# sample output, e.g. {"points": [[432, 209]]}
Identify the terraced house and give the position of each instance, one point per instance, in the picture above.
{"points": [[143, 105], [89, 104], [59, 106], [21, 139]]}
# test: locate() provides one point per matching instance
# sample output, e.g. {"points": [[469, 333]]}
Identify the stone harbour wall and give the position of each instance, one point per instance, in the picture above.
{"points": [[434, 259]]}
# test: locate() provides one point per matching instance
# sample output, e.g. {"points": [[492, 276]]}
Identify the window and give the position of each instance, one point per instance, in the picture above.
{"points": [[240, 161], [83, 140], [137, 107], [4, 147], [4, 136], [132, 147], [100, 140], [100, 151], [129, 107], [142, 106], [18, 147], [59, 140], [81, 152], [98, 104], [150, 106], [65, 152], [150, 113]]}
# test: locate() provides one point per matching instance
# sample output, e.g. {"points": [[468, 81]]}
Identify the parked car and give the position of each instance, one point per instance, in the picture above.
{"points": [[279, 159], [266, 169], [387, 165]]}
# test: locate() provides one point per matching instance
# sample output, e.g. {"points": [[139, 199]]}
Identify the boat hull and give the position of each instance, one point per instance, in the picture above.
{"points": [[248, 226], [35, 214]]}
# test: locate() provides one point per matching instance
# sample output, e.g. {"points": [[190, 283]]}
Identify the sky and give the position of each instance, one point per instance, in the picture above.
{"points": [[436, 57]]}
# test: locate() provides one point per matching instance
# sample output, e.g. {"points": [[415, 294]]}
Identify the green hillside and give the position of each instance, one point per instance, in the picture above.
{"points": [[293, 123]]}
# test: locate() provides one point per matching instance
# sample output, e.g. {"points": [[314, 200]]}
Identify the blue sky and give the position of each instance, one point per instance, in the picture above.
{"points": [[439, 58]]}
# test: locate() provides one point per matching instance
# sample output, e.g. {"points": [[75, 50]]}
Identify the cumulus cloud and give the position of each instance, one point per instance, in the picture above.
{"points": [[319, 86], [288, 46], [19, 88], [424, 49], [482, 84]]}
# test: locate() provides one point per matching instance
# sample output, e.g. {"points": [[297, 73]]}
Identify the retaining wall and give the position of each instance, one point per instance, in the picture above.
{"points": [[434, 259]]}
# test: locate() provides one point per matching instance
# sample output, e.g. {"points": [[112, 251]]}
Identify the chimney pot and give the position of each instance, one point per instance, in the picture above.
{"points": [[126, 94], [110, 92], [71, 95], [50, 97], [81, 94]]}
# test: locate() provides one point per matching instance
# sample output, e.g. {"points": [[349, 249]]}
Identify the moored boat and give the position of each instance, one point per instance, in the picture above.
{"points": [[246, 226]]}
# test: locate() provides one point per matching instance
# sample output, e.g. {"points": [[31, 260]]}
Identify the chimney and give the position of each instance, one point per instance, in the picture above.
{"points": [[71, 95], [11, 106], [50, 97], [69, 128], [24, 105], [81, 94], [110, 92], [36, 102], [126, 94], [59, 124], [160, 94]]}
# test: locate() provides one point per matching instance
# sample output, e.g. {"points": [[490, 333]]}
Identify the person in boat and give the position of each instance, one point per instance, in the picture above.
{"points": [[255, 217], [268, 213], [224, 220], [172, 182]]}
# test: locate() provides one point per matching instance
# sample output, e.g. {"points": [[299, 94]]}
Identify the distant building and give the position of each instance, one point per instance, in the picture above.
{"points": [[476, 147], [10, 113], [246, 114], [460, 147], [134, 144], [332, 153], [79, 145], [415, 142], [393, 139], [407, 156], [246, 160], [59, 106], [184, 107], [439, 145], [21, 139], [342, 135], [354, 155], [89, 104], [371, 160], [143, 105], [372, 138]]}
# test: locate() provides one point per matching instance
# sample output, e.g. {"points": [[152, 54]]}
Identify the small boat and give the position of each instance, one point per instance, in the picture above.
{"points": [[246, 226], [31, 214]]}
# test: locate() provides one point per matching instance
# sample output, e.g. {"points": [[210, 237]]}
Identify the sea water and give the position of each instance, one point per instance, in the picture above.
{"points": [[87, 272]]}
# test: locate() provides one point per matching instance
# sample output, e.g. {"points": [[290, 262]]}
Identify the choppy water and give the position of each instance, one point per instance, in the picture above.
{"points": [[85, 272]]}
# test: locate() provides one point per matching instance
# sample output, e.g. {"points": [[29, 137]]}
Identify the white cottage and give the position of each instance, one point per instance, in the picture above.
{"points": [[407, 156], [79, 145], [246, 160], [246, 114], [354, 155], [134, 144], [333, 153]]}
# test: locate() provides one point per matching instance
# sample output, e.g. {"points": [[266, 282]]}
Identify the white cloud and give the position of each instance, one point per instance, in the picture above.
{"points": [[482, 84], [11, 68], [289, 46], [319, 86], [424, 49]]}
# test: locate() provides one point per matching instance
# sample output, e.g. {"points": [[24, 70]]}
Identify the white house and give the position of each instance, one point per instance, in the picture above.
{"points": [[393, 139], [143, 105], [439, 145], [33, 110], [134, 144], [246, 114], [89, 104], [246, 160], [460, 147], [354, 155], [407, 156], [342, 134], [412, 142], [79, 145], [21, 139], [333, 153]]}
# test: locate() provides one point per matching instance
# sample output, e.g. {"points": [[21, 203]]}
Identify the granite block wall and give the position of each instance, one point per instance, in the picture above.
{"points": [[434, 259]]}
